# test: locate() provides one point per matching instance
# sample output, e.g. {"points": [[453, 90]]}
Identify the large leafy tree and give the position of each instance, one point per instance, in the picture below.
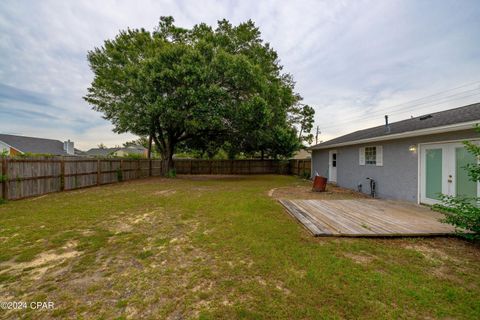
{"points": [[202, 87]]}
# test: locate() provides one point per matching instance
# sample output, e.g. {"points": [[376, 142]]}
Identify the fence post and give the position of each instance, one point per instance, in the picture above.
{"points": [[62, 174], [149, 167], [5, 178], [99, 175], [190, 170], [121, 170], [210, 166]]}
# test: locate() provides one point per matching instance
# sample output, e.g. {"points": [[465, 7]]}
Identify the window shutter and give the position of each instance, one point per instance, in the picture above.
{"points": [[379, 156], [361, 156]]}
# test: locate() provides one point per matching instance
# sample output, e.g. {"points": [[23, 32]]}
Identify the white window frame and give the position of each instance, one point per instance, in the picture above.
{"points": [[378, 156]]}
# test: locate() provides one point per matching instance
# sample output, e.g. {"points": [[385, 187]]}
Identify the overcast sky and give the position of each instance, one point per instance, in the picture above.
{"points": [[354, 61]]}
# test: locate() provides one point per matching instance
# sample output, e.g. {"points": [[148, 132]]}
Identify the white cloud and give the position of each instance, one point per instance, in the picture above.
{"points": [[350, 59]]}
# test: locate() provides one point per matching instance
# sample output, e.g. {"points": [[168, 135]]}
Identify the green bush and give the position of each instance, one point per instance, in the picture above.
{"points": [[305, 175], [119, 175], [172, 173], [463, 213]]}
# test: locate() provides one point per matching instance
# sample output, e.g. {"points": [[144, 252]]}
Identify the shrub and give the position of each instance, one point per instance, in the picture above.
{"points": [[172, 173], [305, 175], [463, 213], [119, 175]]}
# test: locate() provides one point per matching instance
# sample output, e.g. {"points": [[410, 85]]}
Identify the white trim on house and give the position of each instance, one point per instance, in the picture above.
{"points": [[361, 156], [407, 134], [378, 156], [419, 173], [332, 171]]}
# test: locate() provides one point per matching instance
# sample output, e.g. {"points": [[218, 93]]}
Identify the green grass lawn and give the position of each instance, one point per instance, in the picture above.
{"points": [[218, 249]]}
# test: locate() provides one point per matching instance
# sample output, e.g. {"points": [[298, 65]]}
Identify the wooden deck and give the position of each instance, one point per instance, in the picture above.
{"points": [[366, 218]]}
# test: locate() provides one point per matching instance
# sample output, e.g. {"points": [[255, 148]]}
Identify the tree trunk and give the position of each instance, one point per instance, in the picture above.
{"points": [[150, 146], [167, 157]]}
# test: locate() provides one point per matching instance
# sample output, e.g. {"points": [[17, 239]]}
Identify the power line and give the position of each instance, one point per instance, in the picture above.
{"points": [[384, 110], [400, 111], [413, 107], [433, 95]]}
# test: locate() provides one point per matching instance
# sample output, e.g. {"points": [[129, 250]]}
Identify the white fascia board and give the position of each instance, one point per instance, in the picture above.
{"points": [[407, 134]]}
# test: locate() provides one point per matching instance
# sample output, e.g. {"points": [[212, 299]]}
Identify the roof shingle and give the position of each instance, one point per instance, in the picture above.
{"points": [[34, 145]]}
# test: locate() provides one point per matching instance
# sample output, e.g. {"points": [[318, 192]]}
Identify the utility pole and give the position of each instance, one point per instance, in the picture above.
{"points": [[317, 134]]}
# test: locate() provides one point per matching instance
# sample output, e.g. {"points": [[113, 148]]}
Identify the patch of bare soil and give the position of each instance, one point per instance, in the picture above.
{"points": [[37, 267], [449, 257], [127, 224], [165, 193], [305, 192], [362, 258]]}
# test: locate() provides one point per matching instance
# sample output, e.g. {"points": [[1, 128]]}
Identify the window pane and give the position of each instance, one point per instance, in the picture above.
{"points": [[433, 173], [464, 186], [370, 155]]}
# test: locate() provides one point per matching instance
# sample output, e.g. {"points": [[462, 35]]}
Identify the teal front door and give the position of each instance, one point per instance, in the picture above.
{"points": [[442, 171]]}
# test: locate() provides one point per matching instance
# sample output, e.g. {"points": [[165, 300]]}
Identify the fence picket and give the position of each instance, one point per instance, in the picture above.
{"points": [[33, 177]]}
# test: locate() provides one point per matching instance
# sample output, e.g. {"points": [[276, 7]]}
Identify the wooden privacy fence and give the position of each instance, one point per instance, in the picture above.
{"points": [[23, 178], [194, 166], [301, 167]]}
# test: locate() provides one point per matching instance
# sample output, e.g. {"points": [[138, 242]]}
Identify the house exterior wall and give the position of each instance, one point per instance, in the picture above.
{"points": [[397, 178], [10, 150], [320, 162], [4, 146], [14, 152]]}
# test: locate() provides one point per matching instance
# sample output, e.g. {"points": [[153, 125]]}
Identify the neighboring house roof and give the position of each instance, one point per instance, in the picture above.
{"points": [[302, 154], [80, 152], [102, 151], [33, 145], [134, 149], [444, 121]]}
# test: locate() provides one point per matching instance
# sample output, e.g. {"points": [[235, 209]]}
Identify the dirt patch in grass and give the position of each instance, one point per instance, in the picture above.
{"points": [[44, 261], [362, 258], [304, 191], [165, 193]]}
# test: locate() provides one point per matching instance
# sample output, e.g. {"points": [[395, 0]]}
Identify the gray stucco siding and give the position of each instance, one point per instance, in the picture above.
{"points": [[396, 179], [320, 162]]}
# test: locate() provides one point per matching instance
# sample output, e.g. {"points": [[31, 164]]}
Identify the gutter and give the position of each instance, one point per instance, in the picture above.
{"points": [[407, 134]]}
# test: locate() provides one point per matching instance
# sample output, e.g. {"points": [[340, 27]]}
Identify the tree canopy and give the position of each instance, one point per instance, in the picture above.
{"points": [[202, 88]]}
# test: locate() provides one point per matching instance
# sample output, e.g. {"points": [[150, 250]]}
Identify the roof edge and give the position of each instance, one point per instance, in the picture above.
{"points": [[407, 134], [12, 146]]}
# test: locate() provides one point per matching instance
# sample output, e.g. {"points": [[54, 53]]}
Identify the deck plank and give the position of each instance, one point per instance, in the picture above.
{"points": [[366, 218], [365, 221], [304, 218]]}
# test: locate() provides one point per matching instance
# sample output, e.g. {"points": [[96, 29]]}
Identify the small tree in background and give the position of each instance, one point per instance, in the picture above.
{"points": [[464, 212]]}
